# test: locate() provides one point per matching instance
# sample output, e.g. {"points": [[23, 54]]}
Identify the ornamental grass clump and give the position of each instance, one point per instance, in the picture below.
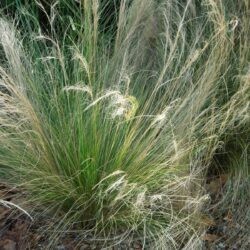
{"points": [[111, 132]]}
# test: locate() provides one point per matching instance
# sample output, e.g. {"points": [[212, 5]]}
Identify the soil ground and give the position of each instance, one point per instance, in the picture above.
{"points": [[18, 232]]}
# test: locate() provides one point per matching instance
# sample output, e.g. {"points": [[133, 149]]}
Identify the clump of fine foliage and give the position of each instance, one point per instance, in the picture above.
{"points": [[111, 130]]}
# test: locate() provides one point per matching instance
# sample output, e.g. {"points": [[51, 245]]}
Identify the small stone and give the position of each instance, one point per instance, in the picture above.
{"points": [[221, 246], [84, 247]]}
